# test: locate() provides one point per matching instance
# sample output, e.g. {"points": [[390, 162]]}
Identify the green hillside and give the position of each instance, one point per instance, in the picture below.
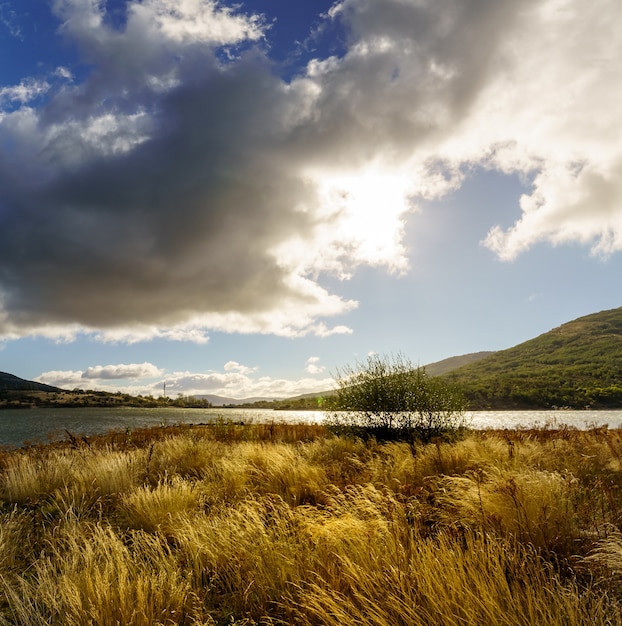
{"points": [[578, 364], [454, 362]]}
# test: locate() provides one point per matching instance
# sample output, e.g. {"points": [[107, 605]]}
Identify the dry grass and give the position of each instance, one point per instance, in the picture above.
{"points": [[255, 525], [90, 575]]}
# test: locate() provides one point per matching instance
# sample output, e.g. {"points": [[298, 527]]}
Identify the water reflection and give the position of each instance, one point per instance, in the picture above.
{"points": [[40, 425]]}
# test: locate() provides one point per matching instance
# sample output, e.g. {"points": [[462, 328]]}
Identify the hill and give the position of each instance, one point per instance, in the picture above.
{"points": [[8, 382], [439, 368], [18, 393], [576, 365]]}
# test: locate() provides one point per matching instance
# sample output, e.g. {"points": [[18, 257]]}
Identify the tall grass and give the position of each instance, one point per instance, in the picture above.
{"points": [[90, 575], [27, 478], [243, 525], [478, 580]]}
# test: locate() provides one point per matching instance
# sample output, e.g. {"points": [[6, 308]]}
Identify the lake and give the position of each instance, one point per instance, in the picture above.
{"points": [[20, 426]]}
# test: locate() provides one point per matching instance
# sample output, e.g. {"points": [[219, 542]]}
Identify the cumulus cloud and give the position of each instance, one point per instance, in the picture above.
{"points": [[313, 366], [184, 186], [234, 366], [122, 371], [65, 379], [100, 375], [241, 382], [527, 87], [235, 380]]}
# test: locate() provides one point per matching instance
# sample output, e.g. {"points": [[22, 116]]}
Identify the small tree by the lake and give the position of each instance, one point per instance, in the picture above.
{"points": [[389, 398]]}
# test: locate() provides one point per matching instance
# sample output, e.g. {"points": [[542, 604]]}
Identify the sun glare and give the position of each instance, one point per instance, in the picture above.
{"points": [[358, 220], [369, 208]]}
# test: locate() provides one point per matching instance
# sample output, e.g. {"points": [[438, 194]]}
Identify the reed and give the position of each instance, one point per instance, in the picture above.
{"points": [[188, 456], [283, 470], [70, 479]]}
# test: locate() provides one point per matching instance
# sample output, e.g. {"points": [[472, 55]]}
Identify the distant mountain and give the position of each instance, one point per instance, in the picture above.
{"points": [[578, 364], [223, 401], [8, 382]]}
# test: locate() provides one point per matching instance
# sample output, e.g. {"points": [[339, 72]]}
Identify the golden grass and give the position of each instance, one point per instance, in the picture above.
{"points": [[249, 525], [27, 478], [91, 575], [479, 580], [159, 508]]}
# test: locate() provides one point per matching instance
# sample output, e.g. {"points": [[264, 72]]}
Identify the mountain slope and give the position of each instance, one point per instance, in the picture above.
{"points": [[577, 364], [8, 382], [438, 368]]}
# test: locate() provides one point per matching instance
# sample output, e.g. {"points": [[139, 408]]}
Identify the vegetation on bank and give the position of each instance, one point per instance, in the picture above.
{"points": [[301, 403], [391, 399], [89, 398], [283, 524]]}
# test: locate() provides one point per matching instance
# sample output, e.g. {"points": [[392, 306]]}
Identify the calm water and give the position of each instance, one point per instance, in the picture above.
{"points": [[18, 426]]}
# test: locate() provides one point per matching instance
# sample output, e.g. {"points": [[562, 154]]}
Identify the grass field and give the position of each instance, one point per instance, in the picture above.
{"points": [[281, 524]]}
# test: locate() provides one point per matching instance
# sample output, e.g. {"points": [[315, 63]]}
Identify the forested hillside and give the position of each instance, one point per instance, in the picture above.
{"points": [[578, 364]]}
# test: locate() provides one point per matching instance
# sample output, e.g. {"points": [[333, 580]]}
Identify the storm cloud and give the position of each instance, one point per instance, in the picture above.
{"points": [[183, 186]]}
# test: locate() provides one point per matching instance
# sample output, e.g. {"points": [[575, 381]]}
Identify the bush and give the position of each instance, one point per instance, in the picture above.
{"points": [[391, 399]]}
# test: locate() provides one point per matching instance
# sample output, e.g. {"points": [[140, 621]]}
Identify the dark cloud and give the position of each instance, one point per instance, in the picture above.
{"points": [[181, 224], [153, 233]]}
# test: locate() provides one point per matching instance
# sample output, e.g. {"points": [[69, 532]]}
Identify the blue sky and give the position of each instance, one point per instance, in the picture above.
{"points": [[240, 198]]}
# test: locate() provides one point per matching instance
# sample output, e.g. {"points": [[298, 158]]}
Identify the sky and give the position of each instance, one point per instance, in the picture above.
{"points": [[241, 198]]}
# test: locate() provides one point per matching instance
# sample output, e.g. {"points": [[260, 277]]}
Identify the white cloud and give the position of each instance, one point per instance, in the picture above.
{"points": [[100, 376], [234, 381], [568, 204], [548, 111], [122, 371], [186, 180], [9, 19], [188, 21], [65, 379], [528, 86], [64, 73], [142, 332], [239, 385], [26, 91], [234, 366], [313, 367]]}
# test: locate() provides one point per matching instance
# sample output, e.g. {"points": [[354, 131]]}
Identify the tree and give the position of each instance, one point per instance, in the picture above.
{"points": [[391, 399]]}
